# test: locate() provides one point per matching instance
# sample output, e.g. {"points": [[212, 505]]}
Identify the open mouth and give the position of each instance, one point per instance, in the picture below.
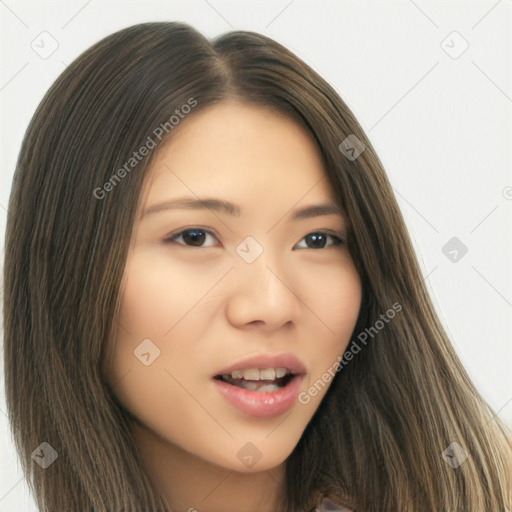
{"points": [[270, 379], [263, 386]]}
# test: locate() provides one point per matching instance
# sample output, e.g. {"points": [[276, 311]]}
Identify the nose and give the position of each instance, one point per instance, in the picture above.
{"points": [[262, 295]]}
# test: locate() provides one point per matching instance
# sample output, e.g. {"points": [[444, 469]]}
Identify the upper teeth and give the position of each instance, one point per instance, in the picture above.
{"points": [[255, 374]]}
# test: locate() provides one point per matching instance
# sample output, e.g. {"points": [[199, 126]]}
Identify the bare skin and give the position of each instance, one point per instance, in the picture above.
{"points": [[205, 306]]}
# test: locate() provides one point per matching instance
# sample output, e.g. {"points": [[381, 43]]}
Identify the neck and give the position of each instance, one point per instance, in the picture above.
{"points": [[191, 484]]}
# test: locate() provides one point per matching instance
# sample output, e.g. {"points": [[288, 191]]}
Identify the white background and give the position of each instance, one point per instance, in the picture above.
{"points": [[441, 126]]}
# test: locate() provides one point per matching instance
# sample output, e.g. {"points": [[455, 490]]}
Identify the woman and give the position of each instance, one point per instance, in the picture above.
{"points": [[212, 302]]}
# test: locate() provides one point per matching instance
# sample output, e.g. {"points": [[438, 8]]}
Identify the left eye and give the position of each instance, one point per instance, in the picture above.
{"points": [[318, 240], [196, 238]]}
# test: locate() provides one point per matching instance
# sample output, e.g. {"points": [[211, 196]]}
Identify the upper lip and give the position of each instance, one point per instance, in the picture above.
{"points": [[263, 361]]}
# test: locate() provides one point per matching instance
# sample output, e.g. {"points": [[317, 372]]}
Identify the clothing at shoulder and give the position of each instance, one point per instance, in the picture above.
{"points": [[328, 505]]}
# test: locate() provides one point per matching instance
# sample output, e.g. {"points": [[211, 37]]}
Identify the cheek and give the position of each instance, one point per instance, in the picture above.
{"points": [[158, 296], [163, 319], [159, 321], [334, 297], [335, 301]]}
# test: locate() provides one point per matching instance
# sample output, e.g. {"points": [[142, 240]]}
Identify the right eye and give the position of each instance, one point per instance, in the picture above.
{"points": [[194, 237]]}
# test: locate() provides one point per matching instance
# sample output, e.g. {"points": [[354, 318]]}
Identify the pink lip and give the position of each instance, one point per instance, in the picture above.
{"points": [[264, 361], [268, 403], [261, 404]]}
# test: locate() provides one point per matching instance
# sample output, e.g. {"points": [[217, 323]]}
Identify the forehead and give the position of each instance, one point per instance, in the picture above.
{"points": [[229, 148]]}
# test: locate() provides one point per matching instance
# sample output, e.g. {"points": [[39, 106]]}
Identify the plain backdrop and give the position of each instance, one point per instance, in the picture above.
{"points": [[430, 82]]}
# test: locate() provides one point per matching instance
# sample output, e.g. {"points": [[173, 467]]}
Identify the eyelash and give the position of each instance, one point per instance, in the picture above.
{"points": [[172, 238]]}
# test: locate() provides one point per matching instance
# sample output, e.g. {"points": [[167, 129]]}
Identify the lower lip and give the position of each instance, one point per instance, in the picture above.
{"points": [[263, 404]]}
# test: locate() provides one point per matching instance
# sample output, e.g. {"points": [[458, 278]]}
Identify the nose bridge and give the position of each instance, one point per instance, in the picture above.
{"points": [[263, 277], [259, 277], [262, 291]]}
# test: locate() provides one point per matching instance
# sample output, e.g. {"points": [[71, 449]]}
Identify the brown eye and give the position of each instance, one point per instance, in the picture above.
{"points": [[318, 240], [191, 237]]}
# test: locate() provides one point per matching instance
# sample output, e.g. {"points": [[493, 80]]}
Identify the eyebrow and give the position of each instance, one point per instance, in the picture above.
{"points": [[221, 205]]}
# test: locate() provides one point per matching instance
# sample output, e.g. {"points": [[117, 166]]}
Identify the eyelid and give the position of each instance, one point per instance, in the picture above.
{"points": [[340, 239]]}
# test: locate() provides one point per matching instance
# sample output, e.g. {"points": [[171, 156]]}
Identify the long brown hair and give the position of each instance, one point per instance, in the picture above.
{"points": [[378, 436]]}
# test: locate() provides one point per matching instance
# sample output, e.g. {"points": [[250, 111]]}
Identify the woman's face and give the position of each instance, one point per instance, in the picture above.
{"points": [[253, 279]]}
